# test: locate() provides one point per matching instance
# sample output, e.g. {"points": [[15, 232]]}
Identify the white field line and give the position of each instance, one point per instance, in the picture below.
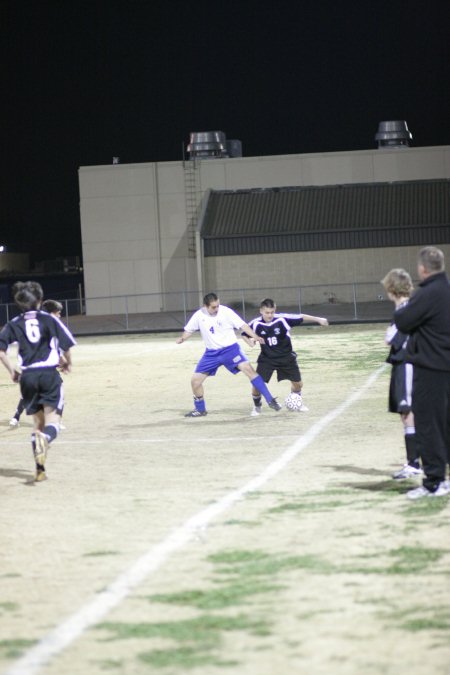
{"points": [[91, 613], [135, 441]]}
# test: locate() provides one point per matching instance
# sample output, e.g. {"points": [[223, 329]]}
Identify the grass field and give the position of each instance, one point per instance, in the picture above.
{"points": [[225, 544]]}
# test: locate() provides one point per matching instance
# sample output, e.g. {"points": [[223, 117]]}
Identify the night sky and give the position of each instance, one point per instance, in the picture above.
{"points": [[82, 82]]}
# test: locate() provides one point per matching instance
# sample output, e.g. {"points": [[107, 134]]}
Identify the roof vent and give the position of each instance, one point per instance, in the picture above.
{"points": [[234, 147], [393, 134], [207, 145]]}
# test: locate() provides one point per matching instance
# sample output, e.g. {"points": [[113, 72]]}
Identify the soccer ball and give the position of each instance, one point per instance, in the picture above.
{"points": [[293, 402]]}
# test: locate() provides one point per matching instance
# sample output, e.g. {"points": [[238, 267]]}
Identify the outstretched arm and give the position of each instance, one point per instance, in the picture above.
{"points": [[249, 333], [185, 336], [250, 341], [316, 319]]}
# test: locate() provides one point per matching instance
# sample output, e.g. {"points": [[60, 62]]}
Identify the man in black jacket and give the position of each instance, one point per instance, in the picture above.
{"points": [[427, 319]]}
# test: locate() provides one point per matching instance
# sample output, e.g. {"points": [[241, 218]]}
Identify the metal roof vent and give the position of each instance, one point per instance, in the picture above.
{"points": [[207, 145], [393, 134], [234, 147]]}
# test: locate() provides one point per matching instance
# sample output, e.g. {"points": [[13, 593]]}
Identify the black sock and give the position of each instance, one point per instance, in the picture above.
{"points": [[412, 454], [51, 431]]}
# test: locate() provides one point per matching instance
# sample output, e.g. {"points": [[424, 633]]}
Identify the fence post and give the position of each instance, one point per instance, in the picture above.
{"points": [[67, 312], [299, 300], [243, 303], [184, 306], [126, 312], [355, 306]]}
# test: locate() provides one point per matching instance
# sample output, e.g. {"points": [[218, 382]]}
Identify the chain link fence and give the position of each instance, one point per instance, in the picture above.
{"points": [[165, 312]]}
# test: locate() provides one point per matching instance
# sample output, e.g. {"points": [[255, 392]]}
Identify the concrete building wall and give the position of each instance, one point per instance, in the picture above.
{"points": [[337, 168], [326, 270], [133, 227], [134, 224]]}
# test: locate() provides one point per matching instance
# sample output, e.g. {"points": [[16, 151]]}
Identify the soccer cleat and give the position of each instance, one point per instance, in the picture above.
{"points": [[443, 489], [407, 471], [40, 476], [304, 408], [40, 452], [62, 427], [13, 423], [257, 410], [274, 404], [196, 413]]}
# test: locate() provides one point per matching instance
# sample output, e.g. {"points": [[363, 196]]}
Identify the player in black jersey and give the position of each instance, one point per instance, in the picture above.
{"points": [[40, 338], [55, 308], [277, 353], [398, 286]]}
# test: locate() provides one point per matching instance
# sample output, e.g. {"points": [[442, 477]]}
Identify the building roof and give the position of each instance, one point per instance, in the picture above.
{"points": [[326, 217]]}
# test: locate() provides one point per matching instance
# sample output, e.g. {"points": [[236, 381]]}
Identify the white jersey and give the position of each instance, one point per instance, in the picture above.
{"points": [[217, 331]]}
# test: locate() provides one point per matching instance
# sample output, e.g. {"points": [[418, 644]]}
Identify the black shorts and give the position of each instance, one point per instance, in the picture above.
{"points": [[400, 388], [39, 387], [287, 369]]}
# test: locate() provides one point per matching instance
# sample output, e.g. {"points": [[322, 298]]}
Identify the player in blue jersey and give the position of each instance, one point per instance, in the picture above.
{"points": [[41, 338], [276, 352], [217, 325]]}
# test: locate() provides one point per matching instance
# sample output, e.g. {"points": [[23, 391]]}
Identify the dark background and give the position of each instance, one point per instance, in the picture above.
{"points": [[82, 82]]}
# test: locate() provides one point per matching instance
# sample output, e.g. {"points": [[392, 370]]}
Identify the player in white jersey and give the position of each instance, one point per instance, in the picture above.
{"points": [[41, 339], [217, 325]]}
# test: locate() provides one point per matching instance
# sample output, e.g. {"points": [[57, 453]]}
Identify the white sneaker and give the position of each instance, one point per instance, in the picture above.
{"points": [[443, 489], [13, 422], [62, 427], [304, 408], [419, 492], [257, 410], [407, 471]]}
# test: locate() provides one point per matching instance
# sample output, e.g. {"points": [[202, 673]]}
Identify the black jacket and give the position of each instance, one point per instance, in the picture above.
{"points": [[426, 318]]}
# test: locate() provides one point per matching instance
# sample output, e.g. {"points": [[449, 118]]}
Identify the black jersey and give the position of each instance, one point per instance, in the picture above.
{"points": [[40, 337], [397, 342], [401, 384], [276, 334]]}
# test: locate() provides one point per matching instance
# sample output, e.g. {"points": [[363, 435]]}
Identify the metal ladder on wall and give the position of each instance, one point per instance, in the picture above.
{"points": [[192, 199]]}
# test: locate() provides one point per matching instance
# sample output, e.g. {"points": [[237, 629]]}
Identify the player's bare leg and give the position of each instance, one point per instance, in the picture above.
{"points": [[46, 428], [38, 445], [296, 387]]}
